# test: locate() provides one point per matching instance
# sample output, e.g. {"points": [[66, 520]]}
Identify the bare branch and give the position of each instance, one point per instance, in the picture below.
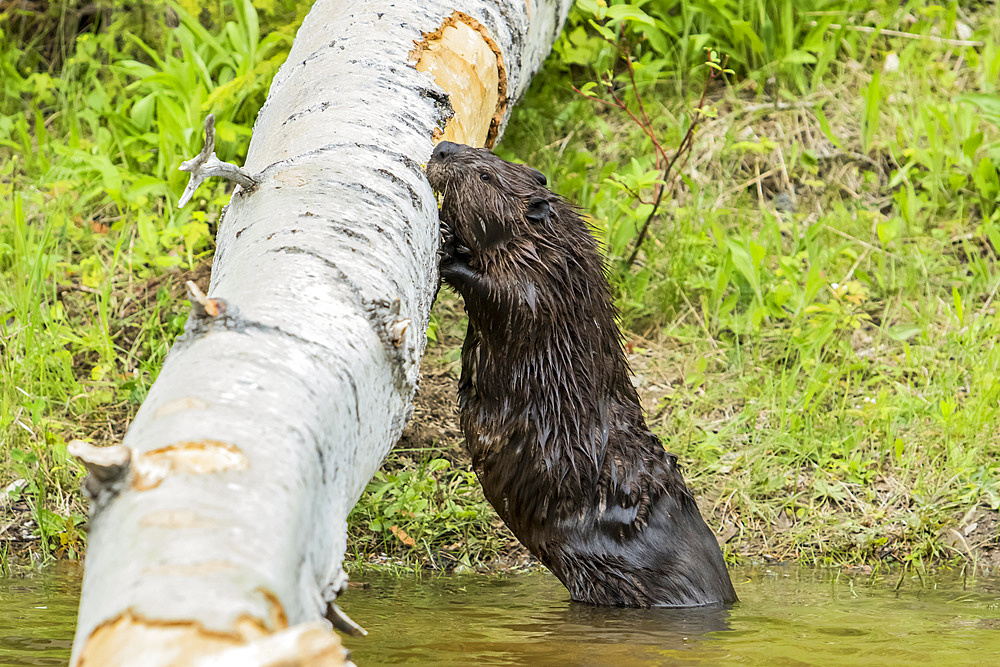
{"points": [[205, 164], [685, 147]]}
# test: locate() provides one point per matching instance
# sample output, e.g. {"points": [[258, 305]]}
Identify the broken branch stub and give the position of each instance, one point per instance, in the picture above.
{"points": [[205, 164], [342, 621], [201, 305], [108, 467]]}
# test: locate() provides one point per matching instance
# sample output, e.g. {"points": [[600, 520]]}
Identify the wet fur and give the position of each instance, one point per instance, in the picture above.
{"points": [[552, 421]]}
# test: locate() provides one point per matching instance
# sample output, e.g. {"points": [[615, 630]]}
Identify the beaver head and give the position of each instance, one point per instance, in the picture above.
{"points": [[486, 201]]}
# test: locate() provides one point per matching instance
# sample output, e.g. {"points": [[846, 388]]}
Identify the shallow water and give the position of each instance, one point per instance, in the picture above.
{"points": [[38, 615], [788, 616]]}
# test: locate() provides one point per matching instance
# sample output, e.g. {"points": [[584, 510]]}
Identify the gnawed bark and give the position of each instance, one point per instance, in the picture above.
{"points": [[218, 526]]}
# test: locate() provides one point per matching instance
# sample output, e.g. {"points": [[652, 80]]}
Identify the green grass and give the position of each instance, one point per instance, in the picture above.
{"points": [[88, 189], [423, 510], [814, 310]]}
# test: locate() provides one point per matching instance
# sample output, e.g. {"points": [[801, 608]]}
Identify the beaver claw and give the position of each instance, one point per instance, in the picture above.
{"points": [[450, 248]]}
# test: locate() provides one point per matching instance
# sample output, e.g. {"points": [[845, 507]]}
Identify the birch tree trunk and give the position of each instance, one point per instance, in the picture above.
{"points": [[218, 527]]}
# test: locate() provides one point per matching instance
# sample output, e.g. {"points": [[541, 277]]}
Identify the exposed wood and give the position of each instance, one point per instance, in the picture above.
{"points": [[465, 61]]}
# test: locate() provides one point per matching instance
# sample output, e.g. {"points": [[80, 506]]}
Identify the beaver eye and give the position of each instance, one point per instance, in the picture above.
{"points": [[484, 176]]}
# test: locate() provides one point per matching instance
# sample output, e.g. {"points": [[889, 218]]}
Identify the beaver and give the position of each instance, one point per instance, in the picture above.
{"points": [[550, 416]]}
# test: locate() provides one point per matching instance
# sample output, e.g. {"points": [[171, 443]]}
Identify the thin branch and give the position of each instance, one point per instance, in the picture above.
{"points": [[638, 97], [900, 33], [635, 87], [635, 195], [686, 143], [646, 126], [76, 288], [618, 104]]}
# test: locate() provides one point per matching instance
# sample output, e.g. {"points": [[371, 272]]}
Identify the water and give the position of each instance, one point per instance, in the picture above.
{"points": [[787, 616], [38, 616]]}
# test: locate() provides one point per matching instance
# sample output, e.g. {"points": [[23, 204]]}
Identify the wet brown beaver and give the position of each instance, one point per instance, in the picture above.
{"points": [[553, 423]]}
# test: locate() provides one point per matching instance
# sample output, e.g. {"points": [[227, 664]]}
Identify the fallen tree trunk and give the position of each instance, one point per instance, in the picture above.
{"points": [[221, 519]]}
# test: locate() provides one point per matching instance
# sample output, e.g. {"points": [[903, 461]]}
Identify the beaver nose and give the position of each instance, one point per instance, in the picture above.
{"points": [[445, 149]]}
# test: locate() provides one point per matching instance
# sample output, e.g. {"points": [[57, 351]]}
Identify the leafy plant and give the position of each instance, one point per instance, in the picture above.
{"points": [[427, 510]]}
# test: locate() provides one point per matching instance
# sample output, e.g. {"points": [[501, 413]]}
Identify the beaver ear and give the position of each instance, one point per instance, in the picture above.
{"points": [[538, 209], [539, 176]]}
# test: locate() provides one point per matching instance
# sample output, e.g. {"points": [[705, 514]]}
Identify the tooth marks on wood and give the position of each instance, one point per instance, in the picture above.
{"points": [[464, 60], [199, 457], [442, 104]]}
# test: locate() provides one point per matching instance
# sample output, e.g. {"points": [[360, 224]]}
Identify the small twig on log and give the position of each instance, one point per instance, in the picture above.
{"points": [[206, 307], [205, 164]]}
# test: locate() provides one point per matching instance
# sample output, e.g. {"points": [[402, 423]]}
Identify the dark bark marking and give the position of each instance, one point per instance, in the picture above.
{"points": [[316, 108]]}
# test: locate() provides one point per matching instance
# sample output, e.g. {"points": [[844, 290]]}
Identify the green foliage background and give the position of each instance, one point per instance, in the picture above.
{"points": [[812, 313]]}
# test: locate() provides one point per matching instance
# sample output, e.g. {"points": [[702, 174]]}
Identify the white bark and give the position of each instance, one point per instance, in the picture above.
{"points": [[222, 519]]}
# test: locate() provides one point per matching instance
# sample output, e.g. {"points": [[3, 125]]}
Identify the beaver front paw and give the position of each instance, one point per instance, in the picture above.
{"points": [[447, 237], [450, 249], [452, 268], [453, 265]]}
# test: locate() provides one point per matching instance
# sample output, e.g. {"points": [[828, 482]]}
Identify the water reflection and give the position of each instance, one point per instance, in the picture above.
{"points": [[679, 629], [527, 619]]}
